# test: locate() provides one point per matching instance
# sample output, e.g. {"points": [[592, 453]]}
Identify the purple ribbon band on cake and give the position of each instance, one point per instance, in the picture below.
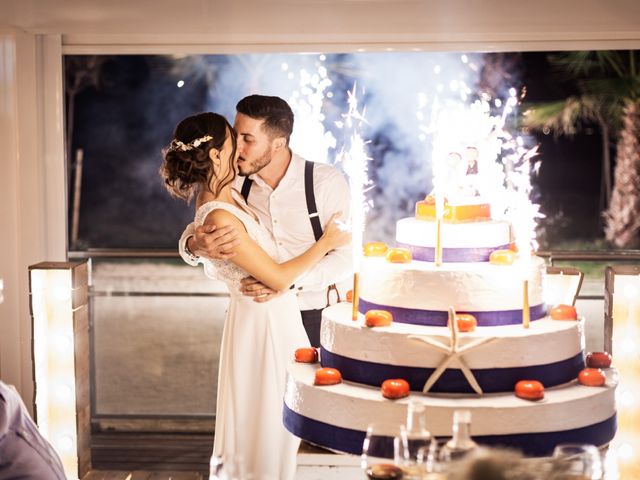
{"points": [[453, 380], [452, 255], [531, 444], [437, 318]]}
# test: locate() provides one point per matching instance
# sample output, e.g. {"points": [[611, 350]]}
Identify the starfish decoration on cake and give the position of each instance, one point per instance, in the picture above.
{"points": [[453, 352]]}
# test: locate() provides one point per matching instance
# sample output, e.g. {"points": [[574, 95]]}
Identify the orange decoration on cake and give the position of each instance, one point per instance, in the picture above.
{"points": [[398, 255], [375, 249], [350, 296], [598, 359], [591, 377], [395, 388], [529, 390], [502, 257], [466, 322], [378, 318], [306, 355], [426, 210], [513, 247], [328, 376], [564, 312]]}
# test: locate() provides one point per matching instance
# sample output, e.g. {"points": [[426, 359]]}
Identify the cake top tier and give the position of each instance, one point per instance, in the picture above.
{"points": [[468, 209]]}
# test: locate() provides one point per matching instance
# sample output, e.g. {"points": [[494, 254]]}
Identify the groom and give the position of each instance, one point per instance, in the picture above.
{"points": [[293, 197]]}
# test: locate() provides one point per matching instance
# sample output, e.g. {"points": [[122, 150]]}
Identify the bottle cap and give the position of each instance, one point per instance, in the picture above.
{"points": [[416, 406]]}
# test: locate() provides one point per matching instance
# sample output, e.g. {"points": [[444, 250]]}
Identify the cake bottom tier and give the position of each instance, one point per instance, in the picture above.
{"points": [[337, 416]]}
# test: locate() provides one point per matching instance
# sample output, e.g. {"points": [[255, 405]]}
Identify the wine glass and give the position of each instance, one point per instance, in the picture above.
{"points": [[578, 461], [380, 451]]}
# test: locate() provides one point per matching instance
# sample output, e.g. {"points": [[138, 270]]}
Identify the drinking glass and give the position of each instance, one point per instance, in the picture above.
{"points": [[380, 451], [578, 461], [429, 457], [409, 452]]}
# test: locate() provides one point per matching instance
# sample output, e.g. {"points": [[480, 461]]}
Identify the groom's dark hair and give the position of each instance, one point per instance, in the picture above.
{"points": [[276, 113]]}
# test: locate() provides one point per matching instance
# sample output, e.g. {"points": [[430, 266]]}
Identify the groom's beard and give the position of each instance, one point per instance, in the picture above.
{"points": [[247, 168]]}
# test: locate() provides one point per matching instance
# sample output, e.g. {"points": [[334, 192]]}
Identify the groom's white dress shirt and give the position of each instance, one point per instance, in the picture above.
{"points": [[283, 212]]}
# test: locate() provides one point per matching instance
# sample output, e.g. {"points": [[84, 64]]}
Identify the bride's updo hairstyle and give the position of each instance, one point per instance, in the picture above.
{"points": [[186, 163]]}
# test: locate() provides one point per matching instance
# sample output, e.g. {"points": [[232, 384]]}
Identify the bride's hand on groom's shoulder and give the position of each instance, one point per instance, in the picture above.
{"points": [[214, 243], [251, 287], [336, 232]]}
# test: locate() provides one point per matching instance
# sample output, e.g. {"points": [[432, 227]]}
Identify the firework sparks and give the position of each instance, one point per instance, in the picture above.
{"points": [[354, 161]]}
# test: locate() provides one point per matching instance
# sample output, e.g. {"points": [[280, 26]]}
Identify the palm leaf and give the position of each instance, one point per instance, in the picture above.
{"points": [[588, 63], [616, 88], [563, 117]]}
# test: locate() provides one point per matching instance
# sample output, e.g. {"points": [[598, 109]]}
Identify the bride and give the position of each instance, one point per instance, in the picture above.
{"points": [[258, 339]]}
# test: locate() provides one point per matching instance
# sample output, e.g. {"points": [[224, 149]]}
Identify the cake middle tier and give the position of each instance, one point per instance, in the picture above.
{"points": [[550, 351], [422, 293]]}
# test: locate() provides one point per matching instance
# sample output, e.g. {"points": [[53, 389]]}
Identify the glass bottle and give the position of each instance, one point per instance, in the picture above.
{"points": [[461, 443]]}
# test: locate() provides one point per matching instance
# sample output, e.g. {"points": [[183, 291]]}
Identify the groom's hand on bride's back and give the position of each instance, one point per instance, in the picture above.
{"points": [[250, 287], [214, 243]]}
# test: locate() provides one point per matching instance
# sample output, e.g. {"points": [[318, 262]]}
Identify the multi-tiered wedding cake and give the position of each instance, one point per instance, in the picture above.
{"points": [[449, 367]]}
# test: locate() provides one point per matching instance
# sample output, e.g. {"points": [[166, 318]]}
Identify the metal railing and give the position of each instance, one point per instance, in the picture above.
{"points": [[590, 255], [159, 422]]}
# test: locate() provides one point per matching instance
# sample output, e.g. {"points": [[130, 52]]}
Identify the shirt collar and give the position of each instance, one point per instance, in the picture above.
{"points": [[291, 176]]}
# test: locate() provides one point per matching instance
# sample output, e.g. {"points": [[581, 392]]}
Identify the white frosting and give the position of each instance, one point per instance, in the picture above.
{"points": [[473, 287], [352, 406], [422, 233], [546, 341]]}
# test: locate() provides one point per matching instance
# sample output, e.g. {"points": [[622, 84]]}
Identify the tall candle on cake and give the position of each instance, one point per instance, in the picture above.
{"points": [[523, 221], [439, 215], [439, 182]]}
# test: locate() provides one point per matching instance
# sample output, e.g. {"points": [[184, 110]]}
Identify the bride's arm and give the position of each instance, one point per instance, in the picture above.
{"points": [[257, 263]]}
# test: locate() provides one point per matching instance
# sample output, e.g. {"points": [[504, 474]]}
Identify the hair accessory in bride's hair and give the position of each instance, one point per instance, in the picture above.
{"points": [[178, 145]]}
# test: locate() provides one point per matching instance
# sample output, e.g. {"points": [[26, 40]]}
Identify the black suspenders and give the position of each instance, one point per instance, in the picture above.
{"points": [[246, 188], [314, 218]]}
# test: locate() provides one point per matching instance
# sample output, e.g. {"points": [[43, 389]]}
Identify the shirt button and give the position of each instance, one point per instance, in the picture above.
{"points": [[280, 243], [275, 221]]}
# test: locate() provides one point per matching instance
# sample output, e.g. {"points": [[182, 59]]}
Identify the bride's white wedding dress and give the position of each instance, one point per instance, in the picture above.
{"points": [[258, 341]]}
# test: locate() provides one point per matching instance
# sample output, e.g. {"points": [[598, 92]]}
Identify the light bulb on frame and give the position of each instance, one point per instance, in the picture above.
{"points": [[64, 392], [627, 345], [630, 291], [625, 451], [65, 443], [61, 293], [627, 398]]}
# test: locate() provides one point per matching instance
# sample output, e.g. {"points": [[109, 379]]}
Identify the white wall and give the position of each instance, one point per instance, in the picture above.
{"points": [[334, 24], [32, 196]]}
